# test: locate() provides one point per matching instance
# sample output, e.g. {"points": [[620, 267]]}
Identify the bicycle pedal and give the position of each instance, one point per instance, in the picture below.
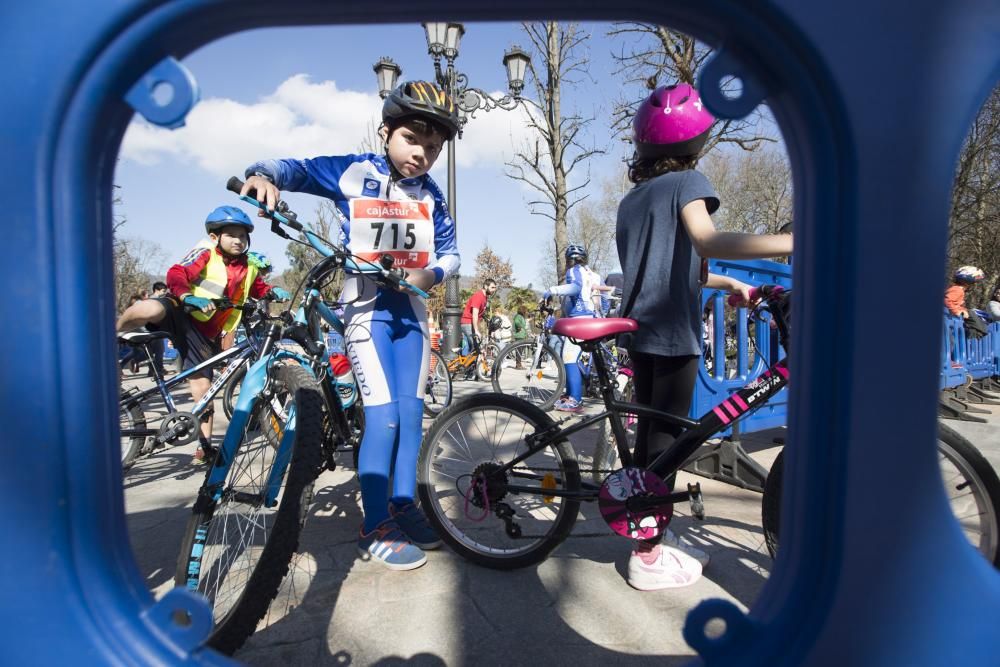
{"points": [[696, 500]]}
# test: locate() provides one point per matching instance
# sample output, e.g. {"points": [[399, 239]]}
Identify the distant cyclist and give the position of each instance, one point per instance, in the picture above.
{"points": [[216, 268], [580, 298], [474, 311]]}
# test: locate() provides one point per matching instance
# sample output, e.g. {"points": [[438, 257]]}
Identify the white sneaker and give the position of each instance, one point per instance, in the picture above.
{"points": [[654, 567], [671, 539]]}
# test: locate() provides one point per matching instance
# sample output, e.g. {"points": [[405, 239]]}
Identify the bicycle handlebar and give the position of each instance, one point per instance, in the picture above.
{"points": [[285, 216], [756, 294]]}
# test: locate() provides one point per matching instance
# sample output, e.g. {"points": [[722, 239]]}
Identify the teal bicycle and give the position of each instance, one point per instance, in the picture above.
{"points": [[288, 421]]}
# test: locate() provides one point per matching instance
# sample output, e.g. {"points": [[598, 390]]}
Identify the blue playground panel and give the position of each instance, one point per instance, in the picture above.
{"points": [[874, 101]]}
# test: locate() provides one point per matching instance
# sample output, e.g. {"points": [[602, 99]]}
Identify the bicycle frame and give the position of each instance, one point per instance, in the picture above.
{"points": [[749, 398]]}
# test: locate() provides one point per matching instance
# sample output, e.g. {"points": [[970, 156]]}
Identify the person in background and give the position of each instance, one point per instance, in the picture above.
{"points": [[519, 326], [475, 310], [993, 306], [954, 296]]}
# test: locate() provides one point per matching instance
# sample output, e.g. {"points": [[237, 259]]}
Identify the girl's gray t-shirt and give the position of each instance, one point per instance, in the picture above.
{"points": [[661, 268]]}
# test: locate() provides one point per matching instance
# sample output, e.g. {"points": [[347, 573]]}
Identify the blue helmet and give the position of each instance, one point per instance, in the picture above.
{"points": [[576, 251], [225, 216]]}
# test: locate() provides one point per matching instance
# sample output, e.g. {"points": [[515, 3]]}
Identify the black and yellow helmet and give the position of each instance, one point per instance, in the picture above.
{"points": [[422, 99]]}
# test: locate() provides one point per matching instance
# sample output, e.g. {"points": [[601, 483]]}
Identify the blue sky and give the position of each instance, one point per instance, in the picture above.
{"points": [[318, 98], [312, 91]]}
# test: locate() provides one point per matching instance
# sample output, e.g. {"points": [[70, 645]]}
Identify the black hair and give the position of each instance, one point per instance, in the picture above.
{"points": [[488, 282], [158, 285], [422, 126], [644, 169]]}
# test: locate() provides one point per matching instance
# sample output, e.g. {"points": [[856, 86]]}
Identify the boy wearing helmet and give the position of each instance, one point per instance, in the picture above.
{"points": [[579, 291], [389, 205], [954, 296], [215, 268], [664, 230]]}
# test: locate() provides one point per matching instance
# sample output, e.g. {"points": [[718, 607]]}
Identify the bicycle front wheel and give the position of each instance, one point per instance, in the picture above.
{"points": [[437, 394], [971, 484], [232, 391], [238, 544], [535, 374], [131, 421], [492, 513], [485, 361]]}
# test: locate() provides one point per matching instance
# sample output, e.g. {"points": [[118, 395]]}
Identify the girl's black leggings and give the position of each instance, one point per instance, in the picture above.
{"points": [[667, 384]]}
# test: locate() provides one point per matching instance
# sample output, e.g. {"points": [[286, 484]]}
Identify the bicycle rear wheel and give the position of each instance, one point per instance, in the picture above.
{"points": [[236, 549], [971, 484], [437, 394], [470, 498], [524, 371]]}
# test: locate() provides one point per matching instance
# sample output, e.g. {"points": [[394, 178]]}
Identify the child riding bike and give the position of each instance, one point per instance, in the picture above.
{"points": [[216, 268], [389, 205], [664, 230]]}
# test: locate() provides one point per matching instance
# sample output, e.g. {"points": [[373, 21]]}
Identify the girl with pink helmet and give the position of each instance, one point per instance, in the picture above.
{"points": [[664, 232]]}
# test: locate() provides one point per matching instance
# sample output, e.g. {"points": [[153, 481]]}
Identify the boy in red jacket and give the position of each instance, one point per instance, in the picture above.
{"points": [[216, 268]]}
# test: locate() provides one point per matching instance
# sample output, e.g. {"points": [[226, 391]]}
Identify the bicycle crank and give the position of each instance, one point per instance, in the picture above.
{"points": [[179, 428], [623, 507]]}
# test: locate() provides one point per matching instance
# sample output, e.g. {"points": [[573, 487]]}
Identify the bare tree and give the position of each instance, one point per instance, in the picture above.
{"points": [[490, 265], [592, 225], [755, 189], [303, 257], [547, 163], [138, 263], [974, 224], [656, 53], [372, 141]]}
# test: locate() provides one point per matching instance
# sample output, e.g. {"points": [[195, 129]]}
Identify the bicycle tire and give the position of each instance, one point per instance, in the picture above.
{"points": [[447, 462], [438, 389], [485, 361], [131, 418], [541, 384], [356, 421], [201, 557], [964, 470], [229, 393]]}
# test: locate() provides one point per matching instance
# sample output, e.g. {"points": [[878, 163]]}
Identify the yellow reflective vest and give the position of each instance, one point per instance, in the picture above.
{"points": [[211, 284]]}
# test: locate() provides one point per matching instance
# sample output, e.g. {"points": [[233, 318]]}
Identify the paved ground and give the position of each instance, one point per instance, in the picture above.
{"points": [[575, 608]]}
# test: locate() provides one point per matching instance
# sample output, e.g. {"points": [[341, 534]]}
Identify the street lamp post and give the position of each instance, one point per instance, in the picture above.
{"points": [[442, 41]]}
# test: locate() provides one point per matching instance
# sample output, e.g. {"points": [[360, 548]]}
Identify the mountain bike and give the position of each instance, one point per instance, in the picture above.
{"points": [[500, 481], [245, 523], [478, 363], [178, 427]]}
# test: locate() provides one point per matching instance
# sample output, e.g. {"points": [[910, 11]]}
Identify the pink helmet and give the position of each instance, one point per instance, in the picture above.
{"points": [[671, 122]]}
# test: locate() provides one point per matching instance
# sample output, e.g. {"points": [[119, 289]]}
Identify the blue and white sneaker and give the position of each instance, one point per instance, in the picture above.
{"points": [[413, 522], [389, 545], [568, 405]]}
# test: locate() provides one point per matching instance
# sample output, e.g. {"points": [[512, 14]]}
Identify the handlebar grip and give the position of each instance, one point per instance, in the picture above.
{"points": [[282, 213], [234, 184], [756, 293]]}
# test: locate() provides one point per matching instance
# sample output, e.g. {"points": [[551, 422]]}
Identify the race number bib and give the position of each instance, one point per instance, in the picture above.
{"points": [[401, 229]]}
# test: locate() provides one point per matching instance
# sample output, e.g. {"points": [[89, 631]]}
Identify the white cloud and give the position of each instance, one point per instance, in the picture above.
{"points": [[302, 118], [222, 136]]}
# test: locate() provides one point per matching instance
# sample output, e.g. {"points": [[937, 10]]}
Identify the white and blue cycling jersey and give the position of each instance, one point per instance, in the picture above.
{"points": [[345, 177], [386, 332], [578, 291]]}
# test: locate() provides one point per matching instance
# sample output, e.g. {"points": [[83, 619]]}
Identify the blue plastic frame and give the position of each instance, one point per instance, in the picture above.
{"points": [[873, 154]]}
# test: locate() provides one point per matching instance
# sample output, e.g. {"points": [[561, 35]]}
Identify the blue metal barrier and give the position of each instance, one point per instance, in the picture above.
{"points": [[715, 385], [953, 352], [979, 357], [841, 89]]}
